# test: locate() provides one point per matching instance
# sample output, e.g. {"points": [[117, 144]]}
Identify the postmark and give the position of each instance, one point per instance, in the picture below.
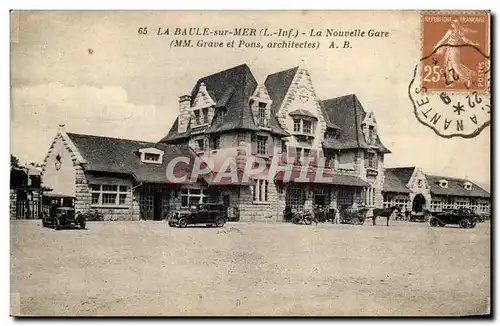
{"points": [[450, 88], [455, 46]]}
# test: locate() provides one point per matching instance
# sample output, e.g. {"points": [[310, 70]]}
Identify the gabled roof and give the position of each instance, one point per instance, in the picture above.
{"points": [[455, 187], [277, 85], [348, 113], [231, 89], [116, 155], [396, 179]]}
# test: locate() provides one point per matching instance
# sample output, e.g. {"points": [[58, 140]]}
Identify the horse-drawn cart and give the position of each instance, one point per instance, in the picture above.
{"points": [[353, 215]]}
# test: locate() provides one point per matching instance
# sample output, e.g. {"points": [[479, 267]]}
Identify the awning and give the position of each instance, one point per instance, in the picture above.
{"points": [[228, 181], [310, 177], [303, 113]]}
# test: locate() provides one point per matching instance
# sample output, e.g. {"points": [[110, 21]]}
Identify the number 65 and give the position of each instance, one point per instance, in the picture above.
{"points": [[432, 74]]}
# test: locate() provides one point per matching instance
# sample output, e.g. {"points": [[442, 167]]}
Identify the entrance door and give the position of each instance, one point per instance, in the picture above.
{"points": [[418, 203], [157, 206], [146, 206], [226, 201]]}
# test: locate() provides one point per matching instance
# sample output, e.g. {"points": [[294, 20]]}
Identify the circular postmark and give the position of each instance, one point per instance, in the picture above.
{"points": [[449, 97]]}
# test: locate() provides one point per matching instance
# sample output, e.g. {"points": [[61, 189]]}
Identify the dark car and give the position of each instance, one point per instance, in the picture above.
{"points": [[208, 214], [465, 218], [59, 212]]}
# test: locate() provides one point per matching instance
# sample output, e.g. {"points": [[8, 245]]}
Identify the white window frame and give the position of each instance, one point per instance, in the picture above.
{"points": [[261, 191], [200, 198], [118, 195], [262, 144], [261, 115], [297, 123]]}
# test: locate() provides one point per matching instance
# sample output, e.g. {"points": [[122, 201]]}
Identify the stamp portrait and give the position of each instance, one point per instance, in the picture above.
{"points": [[455, 48]]}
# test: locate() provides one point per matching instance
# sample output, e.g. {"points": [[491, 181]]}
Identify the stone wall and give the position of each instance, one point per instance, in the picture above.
{"points": [[251, 211]]}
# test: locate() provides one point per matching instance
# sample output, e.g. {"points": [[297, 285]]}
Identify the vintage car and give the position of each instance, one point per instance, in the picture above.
{"points": [[353, 214], [208, 214], [465, 218], [58, 211]]}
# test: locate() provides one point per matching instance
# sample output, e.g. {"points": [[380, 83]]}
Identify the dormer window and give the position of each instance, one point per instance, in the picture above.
{"points": [[332, 134], [220, 114], [203, 107], [307, 126], [201, 145], [260, 106], [369, 129], [151, 155], [303, 126], [304, 122], [262, 116], [205, 115], [197, 117], [468, 186], [443, 183], [215, 142]]}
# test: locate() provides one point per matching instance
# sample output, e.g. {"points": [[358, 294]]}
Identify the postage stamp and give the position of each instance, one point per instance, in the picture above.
{"points": [[455, 48], [450, 89]]}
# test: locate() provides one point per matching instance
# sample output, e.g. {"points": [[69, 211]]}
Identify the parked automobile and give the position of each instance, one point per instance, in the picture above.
{"points": [[465, 218], [58, 211], [422, 216], [208, 214]]}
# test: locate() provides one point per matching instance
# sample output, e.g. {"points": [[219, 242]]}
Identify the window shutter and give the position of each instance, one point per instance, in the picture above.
{"points": [[375, 157], [366, 159], [254, 145], [269, 145]]}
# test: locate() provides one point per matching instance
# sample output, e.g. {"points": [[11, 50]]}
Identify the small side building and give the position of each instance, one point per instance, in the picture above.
{"points": [[413, 190], [123, 179], [25, 192]]}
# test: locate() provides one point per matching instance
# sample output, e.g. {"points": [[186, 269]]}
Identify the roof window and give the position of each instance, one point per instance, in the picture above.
{"points": [[151, 155]]}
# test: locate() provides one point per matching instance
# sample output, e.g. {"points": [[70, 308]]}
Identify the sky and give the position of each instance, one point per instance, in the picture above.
{"points": [[94, 73]]}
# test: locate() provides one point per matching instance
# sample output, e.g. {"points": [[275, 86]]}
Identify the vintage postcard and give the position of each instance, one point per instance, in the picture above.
{"points": [[250, 163]]}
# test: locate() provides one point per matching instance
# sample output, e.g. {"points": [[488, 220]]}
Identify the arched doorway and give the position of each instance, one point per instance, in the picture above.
{"points": [[418, 203]]}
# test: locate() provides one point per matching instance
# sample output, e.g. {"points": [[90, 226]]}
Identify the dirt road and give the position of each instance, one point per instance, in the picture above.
{"points": [[148, 268]]}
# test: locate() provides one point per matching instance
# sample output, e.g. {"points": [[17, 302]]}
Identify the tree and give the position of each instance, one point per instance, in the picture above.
{"points": [[14, 161]]}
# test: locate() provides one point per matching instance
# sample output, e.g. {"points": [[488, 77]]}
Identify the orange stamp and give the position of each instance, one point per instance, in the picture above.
{"points": [[455, 51]]}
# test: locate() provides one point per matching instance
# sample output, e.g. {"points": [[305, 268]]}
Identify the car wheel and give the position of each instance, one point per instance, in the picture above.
{"points": [[472, 225], [464, 224], [171, 224], [434, 222], [82, 224], [44, 224], [57, 224], [355, 221], [308, 221], [219, 222], [183, 222]]}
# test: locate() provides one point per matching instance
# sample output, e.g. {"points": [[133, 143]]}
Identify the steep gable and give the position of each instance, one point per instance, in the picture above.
{"points": [[278, 84], [397, 179], [230, 90], [348, 114]]}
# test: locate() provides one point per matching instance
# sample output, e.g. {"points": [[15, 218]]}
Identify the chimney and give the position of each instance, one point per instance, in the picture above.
{"points": [[184, 113]]}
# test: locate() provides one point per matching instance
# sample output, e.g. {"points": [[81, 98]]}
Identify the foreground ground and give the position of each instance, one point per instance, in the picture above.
{"points": [[148, 268]]}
